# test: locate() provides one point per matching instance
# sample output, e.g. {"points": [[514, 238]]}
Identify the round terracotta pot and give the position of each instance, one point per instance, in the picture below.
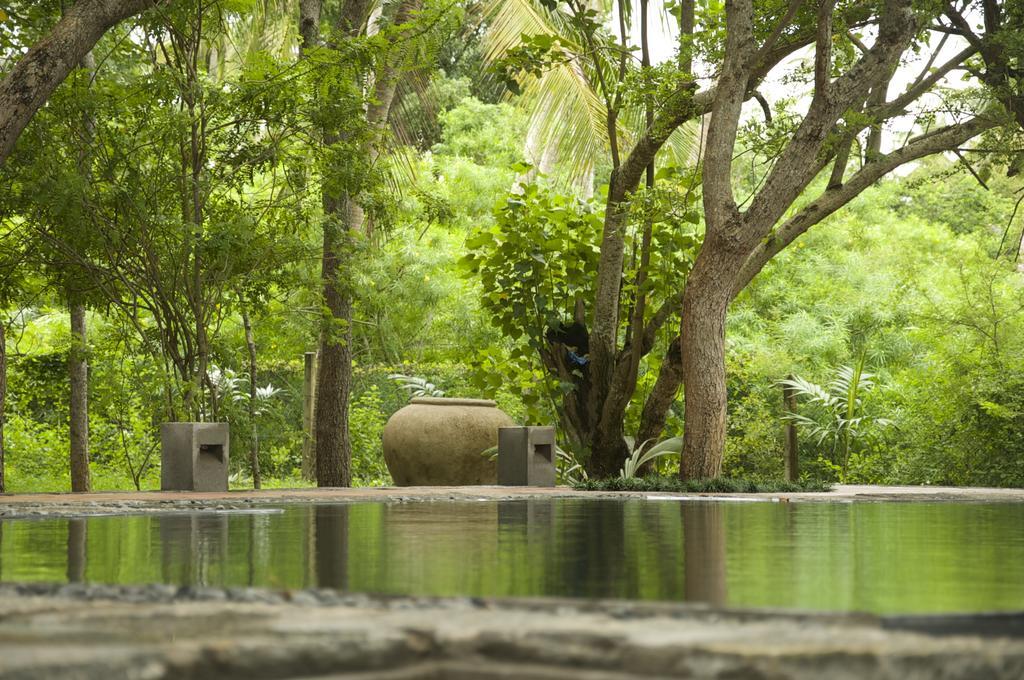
{"points": [[437, 442]]}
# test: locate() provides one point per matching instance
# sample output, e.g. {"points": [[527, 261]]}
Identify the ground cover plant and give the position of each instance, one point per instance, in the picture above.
{"points": [[656, 483], [530, 201]]}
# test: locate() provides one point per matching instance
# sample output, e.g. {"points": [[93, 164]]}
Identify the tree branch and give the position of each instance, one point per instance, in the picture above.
{"points": [[796, 166], [719, 201], [36, 75], [832, 199], [898, 106], [823, 48], [786, 20]]}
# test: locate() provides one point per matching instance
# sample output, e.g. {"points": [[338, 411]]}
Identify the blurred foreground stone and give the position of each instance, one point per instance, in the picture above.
{"points": [[157, 632]]}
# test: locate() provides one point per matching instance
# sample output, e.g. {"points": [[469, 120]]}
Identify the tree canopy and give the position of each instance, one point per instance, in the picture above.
{"points": [[518, 199]]}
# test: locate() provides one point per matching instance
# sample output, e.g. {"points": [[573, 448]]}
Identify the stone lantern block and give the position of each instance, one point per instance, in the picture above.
{"points": [[526, 456], [194, 457]]}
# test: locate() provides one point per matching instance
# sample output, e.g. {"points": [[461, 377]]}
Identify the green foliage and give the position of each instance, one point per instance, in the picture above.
{"points": [[538, 265], [366, 423], [839, 417], [532, 57], [534, 263], [975, 210], [944, 321], [641, 455], [481, 133], [100, 205], [416, 387], [34, 451], [187, 205], [569, 470]]}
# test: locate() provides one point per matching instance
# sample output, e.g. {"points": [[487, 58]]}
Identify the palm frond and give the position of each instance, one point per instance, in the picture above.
{"points": [[570, 470], [841, 417], [566, 111], [809, 390], [682, 145], [639, 456], [416, 387]]}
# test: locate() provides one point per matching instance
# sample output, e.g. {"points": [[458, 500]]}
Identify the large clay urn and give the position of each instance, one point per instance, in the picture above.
{"points": [[437, 442]]}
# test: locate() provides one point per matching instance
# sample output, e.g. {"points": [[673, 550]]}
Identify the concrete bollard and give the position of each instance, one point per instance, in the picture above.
{"points": [[194, 457], [526, 456]]}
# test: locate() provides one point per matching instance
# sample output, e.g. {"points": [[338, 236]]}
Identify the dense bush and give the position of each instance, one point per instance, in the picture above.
{"points": [[940, 322]]}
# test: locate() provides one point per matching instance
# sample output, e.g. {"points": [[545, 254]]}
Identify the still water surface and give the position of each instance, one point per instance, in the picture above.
{"points": [[875, 557]]}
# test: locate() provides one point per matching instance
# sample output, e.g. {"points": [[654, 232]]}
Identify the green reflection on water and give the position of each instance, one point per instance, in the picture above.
{"points": [[877, 557]]}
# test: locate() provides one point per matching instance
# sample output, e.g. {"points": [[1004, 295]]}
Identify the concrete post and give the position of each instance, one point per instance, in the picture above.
{"points": [[194, 457], [526, 456]]}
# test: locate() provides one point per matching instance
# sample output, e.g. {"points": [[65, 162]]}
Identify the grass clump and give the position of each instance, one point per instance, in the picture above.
{"points": [[715, 485]]}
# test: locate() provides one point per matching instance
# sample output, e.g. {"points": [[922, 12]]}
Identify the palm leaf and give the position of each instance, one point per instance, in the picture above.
{"points": [[566, 113], [416, 387], [639, 457], [811, 391], [565, 110]]}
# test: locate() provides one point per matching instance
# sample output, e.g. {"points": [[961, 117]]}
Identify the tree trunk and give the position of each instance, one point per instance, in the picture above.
{"points": [[343, 218], [608, 448], [254, 441], [663, 394], [37, 74], [78, 357], [78, 371], [703, 367], [792, 442], [78, 533], [334, 374], [308, 408], [3, 399]]}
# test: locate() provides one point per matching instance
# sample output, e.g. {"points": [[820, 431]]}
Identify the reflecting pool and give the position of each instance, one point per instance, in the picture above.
{"points": [[875, 557]]}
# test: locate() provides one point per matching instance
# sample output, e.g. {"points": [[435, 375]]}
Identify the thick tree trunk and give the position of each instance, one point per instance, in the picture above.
{"points": [[78, 372], [608, 450], [344, 217], [703, 368], [334, 374], [36, 75]]}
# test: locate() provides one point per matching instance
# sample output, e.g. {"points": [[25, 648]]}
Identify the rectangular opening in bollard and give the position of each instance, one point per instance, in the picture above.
{"points": [[214, 450], [194, 456], [526, 456]]}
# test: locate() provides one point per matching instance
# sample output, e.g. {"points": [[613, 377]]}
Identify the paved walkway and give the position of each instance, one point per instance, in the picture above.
{"points": [[103, 503], [841, 493]]}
